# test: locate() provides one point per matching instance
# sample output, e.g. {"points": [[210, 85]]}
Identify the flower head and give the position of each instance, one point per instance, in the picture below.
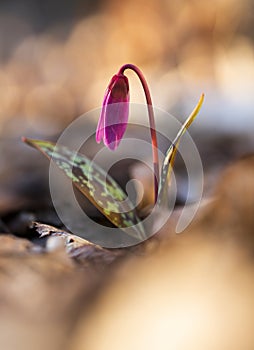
{"points": [[115, 110]]}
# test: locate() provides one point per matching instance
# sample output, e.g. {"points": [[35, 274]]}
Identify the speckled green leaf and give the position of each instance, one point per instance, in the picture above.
{"points": [[169, 159], [101, 189]]}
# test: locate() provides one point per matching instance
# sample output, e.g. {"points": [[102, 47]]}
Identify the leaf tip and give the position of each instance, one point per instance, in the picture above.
{"points": [[200, 102], [27, 141]]}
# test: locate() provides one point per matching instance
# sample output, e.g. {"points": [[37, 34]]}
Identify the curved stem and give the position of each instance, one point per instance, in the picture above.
{"points": [[151, 121]]}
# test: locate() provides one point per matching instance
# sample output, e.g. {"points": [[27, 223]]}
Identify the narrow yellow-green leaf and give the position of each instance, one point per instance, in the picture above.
{"points": [[170, 156]]}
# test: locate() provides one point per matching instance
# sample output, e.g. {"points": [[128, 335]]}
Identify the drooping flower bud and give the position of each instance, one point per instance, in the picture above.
{"points": [[115, 110]]}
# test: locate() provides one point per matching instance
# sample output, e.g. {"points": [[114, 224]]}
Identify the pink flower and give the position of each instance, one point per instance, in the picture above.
{"points": [[115, 110]]}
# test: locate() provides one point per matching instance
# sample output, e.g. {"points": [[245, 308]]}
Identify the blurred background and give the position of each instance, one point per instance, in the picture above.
{"points": [[56, 59]]}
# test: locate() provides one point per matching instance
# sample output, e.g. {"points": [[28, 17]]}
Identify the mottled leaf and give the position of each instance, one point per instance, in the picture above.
{"points": [[170, 157], [100, 188]]}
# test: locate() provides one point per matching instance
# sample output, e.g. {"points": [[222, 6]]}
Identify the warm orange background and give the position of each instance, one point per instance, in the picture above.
{"points": [[52, 75]]}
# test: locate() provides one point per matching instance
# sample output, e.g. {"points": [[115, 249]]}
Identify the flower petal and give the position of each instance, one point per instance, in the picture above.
{"points": [[100, 127], [114, 115], [116, 119]]}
